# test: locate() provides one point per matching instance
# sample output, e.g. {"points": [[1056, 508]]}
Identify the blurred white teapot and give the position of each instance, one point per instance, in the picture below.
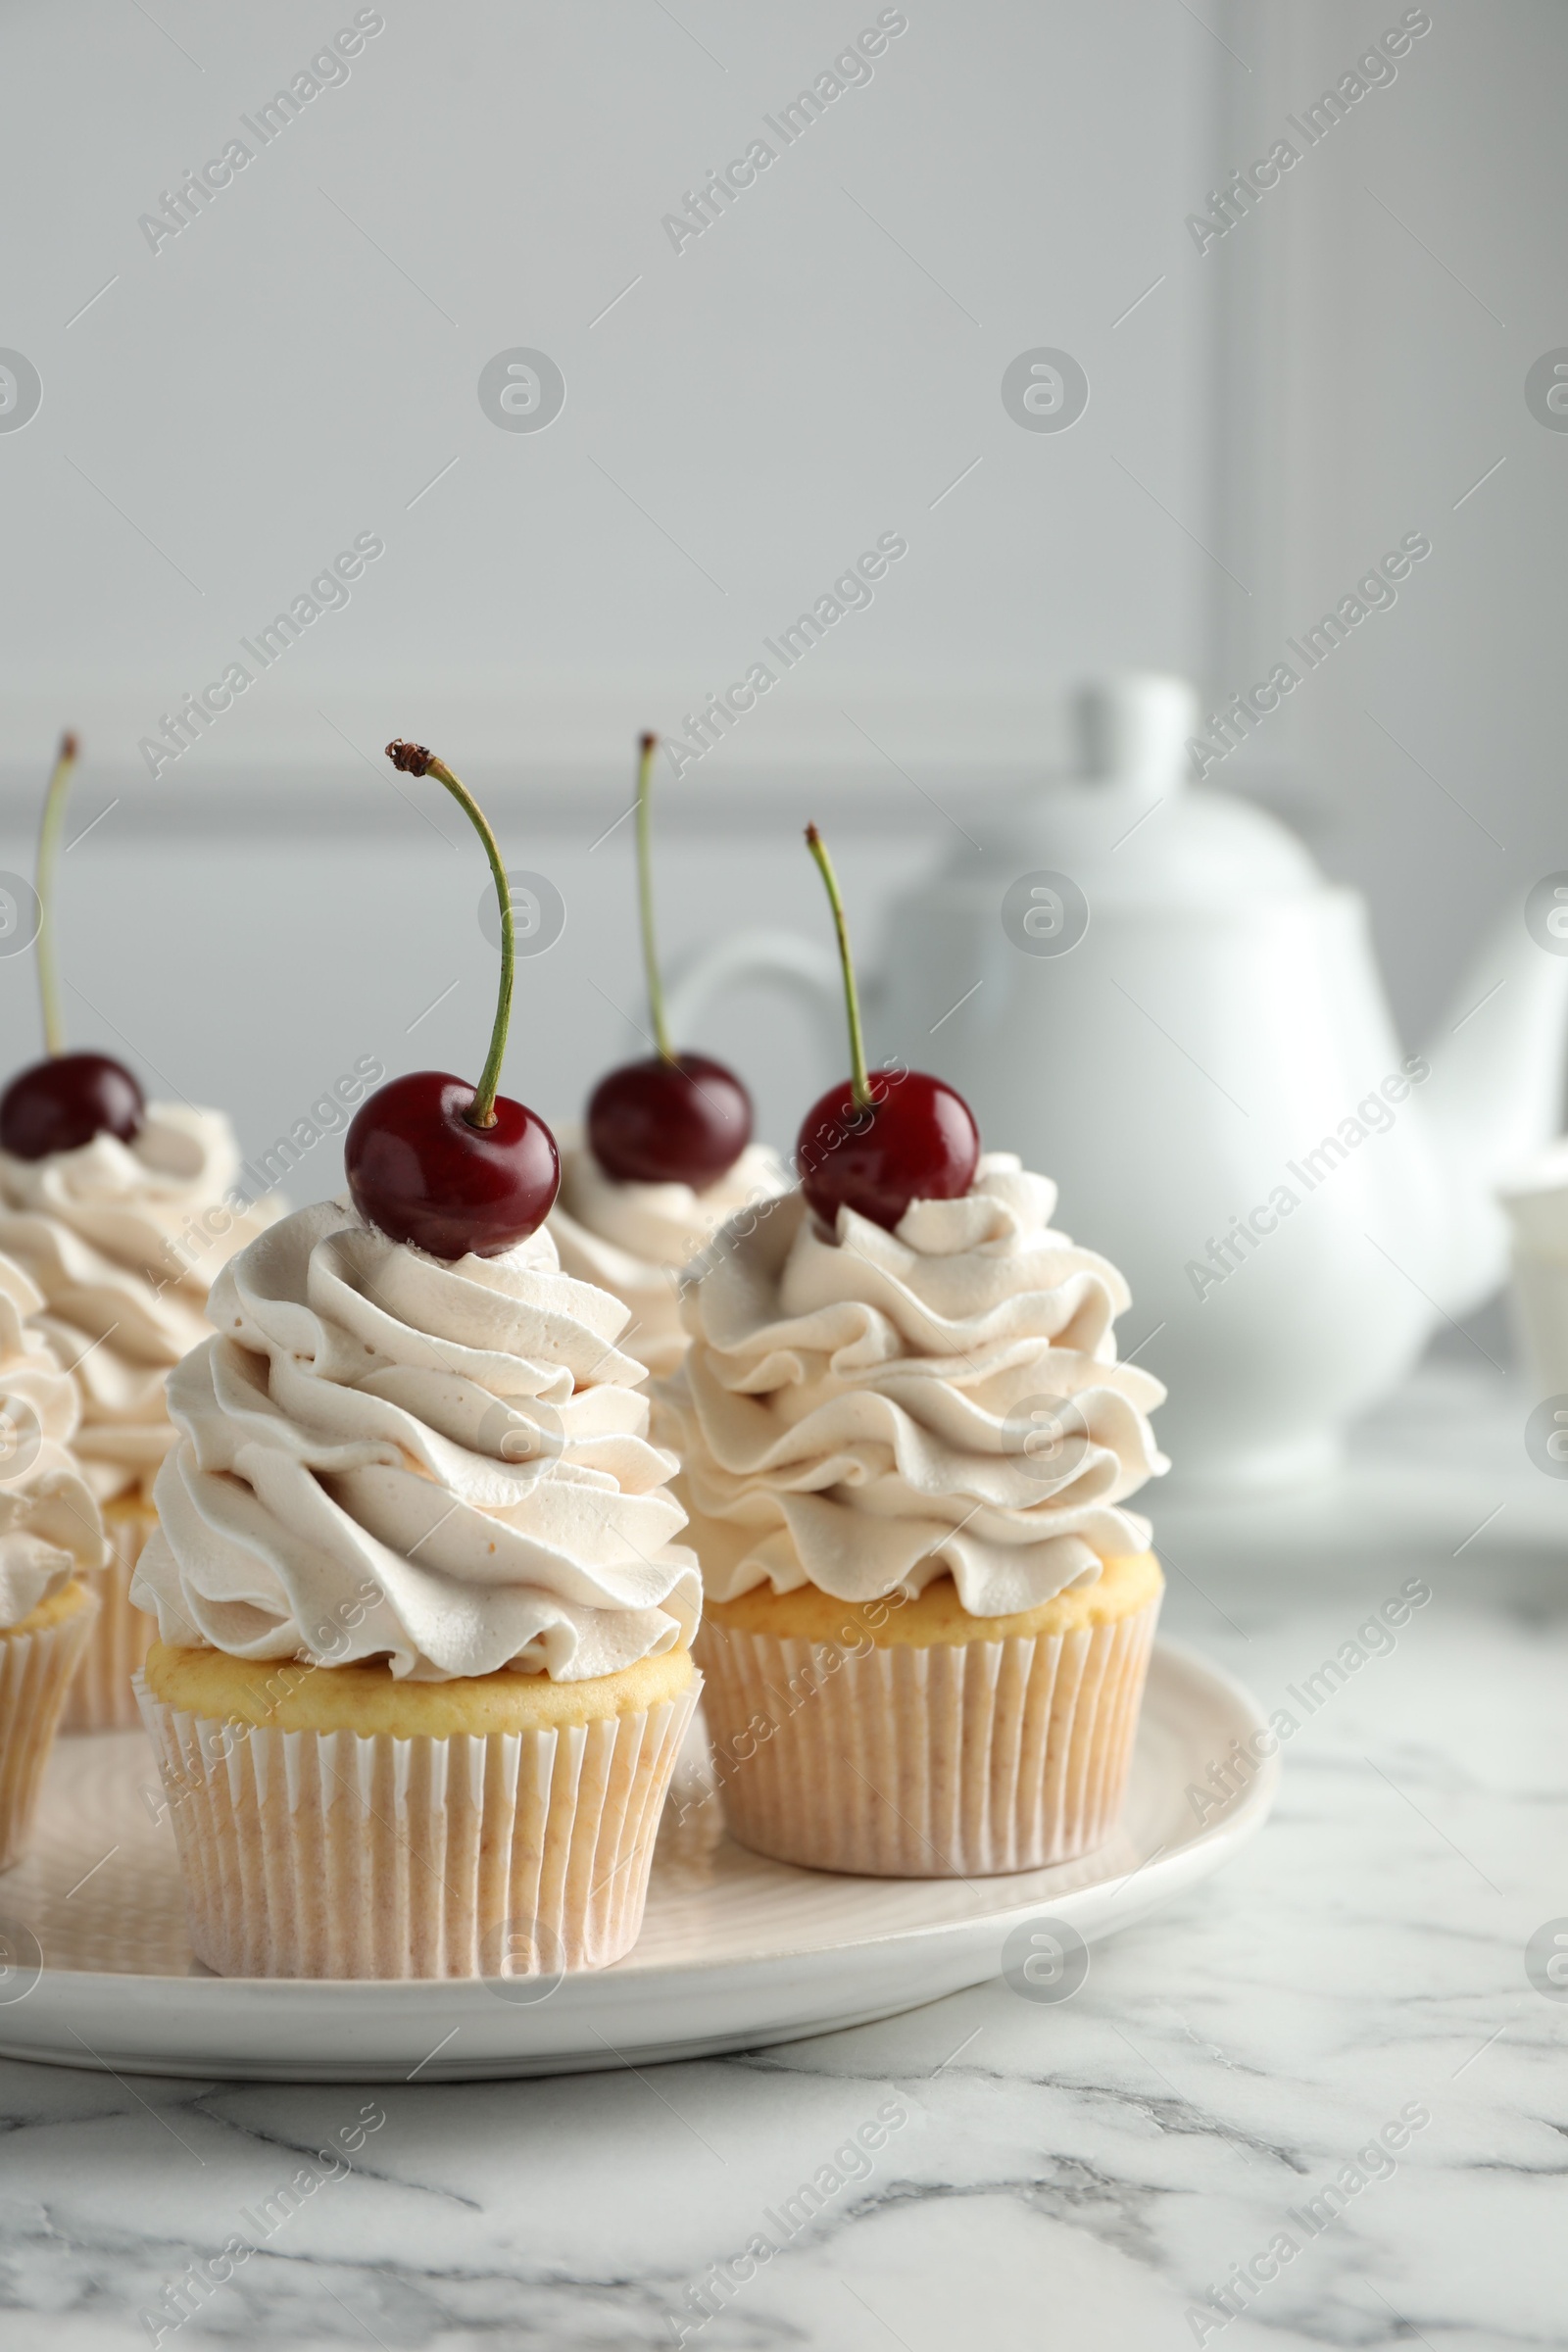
{"points": [[1146, 989]]}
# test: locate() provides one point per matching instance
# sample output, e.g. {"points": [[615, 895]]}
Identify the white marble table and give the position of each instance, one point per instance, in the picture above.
{"points": [[1072, 2176]]}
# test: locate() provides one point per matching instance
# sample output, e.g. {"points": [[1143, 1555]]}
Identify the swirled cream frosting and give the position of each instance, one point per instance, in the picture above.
{"points": [[865, 1411], [123, 1241], [635, 1240], [49, 1523], [447, 1466]]}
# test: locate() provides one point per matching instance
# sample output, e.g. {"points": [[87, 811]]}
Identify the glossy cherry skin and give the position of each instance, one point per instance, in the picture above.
{"points": [[419, 1173], [685, 1121], [917, 1142], [63, 1102]]}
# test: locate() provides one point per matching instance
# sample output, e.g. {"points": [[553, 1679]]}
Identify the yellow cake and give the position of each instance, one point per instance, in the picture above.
{"points": [[1124, 1585], [368, 1700]]}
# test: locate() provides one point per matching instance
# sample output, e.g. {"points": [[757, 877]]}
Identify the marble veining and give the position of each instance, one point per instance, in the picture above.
{"points": [[1079, 2175]]}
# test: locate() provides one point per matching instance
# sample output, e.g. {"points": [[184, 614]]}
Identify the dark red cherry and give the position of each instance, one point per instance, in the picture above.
{"points": [[419, 1173], [682, 1121], [918, 1142], [64, 1101]]}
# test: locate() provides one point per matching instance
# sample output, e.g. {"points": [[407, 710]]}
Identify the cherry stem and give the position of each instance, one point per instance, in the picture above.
{"points": [[54, 817], [645, 895], [414, 759], [852, 1002]]}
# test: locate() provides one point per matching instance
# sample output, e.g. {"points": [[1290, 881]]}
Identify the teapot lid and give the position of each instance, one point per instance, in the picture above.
{"points": [[1131, 824]]}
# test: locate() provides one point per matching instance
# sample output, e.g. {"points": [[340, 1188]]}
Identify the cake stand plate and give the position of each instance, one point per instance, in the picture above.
{"points": [[95, 1970]]}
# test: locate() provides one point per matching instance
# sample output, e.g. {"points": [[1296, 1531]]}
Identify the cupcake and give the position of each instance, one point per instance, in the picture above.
{"points": [[424, 1655], [906, 1455], [123, 1237], [122, 1211], [51, 1536], [666, 1160], [907, 1442]]}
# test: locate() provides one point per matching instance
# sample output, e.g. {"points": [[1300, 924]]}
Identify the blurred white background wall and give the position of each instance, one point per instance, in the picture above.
{"points": [[301, 364]]}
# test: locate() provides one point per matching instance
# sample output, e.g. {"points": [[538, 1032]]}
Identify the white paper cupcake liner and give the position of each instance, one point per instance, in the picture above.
{"points": [[101, 1698], [953, 1760], [330, 1854], [35, 1671]]}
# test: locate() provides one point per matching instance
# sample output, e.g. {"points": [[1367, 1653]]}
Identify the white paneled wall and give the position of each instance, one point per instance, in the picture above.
{"points": [[301, 364], [303, 360]]}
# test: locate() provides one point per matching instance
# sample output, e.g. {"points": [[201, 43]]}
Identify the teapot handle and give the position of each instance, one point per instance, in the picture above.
{"points": [[804, 967]]}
